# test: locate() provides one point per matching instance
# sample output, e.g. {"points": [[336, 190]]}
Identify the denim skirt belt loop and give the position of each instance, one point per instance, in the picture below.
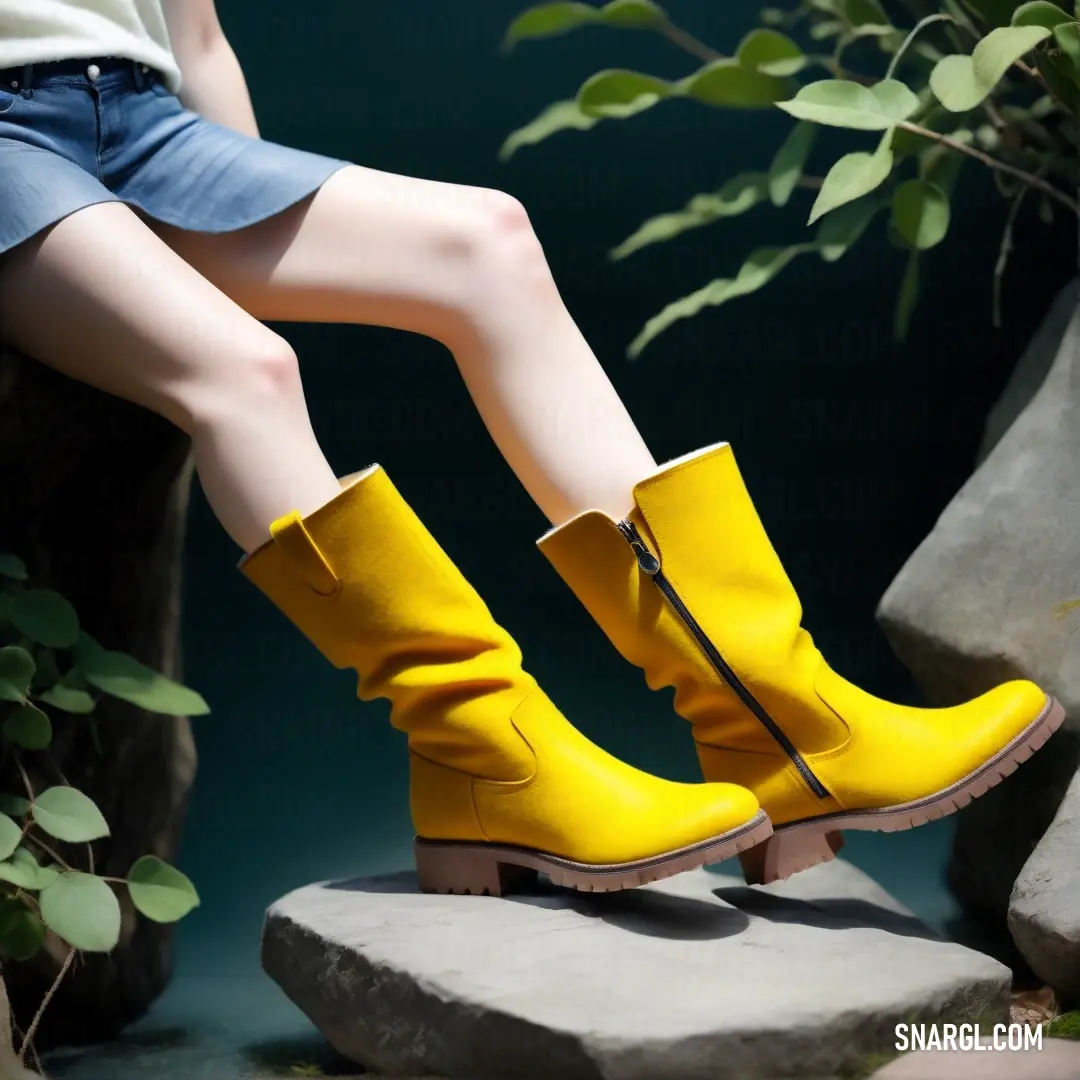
{"points": [[78, 132]]}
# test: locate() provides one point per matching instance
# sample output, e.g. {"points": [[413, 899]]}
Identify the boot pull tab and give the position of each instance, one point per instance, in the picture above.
{"points": [[295, 543]]}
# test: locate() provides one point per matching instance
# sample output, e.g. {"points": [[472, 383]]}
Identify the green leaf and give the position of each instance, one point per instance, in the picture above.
{"points": [[853, 176], [825, 29], [1067, 37], [68, 814], [22, 933], [122, 676], [549, 20], [920, 211], [47, 670], [1065, 1026], [15, 805], [738, 195], [160, 891], [864, 13], [10, 836], [758, 270], [941, 166], [843, 228], [994, 12], [618, 94], [907, 144], [907, 299], [962, 82], [27, 726], [1040, 13], [12, 567], [1062, 78], [83, 911], [560, 116], [840, 103], [45, 617], [787, 166], [68, 699], [16, 671], [771, 52], [632, 14], [728, 84], [23, 871]]}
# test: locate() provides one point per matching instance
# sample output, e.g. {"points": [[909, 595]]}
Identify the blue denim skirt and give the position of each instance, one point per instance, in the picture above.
{"points": [[78, 132]]}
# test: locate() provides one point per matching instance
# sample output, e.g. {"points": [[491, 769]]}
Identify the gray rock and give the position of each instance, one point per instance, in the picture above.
{"points": [[697, 977], [1031, 370], [981, 601], [1044, 911], [1059, 1059]]}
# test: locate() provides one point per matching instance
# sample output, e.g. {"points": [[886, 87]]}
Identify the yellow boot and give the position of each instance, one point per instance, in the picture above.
{"points": [[689, 588], [501, 785]]}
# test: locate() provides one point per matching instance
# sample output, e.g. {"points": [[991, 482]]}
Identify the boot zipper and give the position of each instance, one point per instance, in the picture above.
{"points": [[649, 564]]}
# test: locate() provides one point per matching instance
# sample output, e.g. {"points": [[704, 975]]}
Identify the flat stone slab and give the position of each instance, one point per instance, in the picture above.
{"points": [[696, 977], [1059, 1059]]}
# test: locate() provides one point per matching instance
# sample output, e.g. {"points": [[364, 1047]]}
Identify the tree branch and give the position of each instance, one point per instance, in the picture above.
{"points": [[31, 1031], [687, 42], [1030, 179]]}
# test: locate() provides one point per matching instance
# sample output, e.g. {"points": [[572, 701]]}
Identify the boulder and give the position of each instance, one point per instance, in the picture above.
{"points": [[1044, 910], [95, 497], [985, 598], [697, 976]]}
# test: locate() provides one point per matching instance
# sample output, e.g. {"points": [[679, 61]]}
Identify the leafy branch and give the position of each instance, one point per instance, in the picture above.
{"points": [[51, 675], [1010, 105]]}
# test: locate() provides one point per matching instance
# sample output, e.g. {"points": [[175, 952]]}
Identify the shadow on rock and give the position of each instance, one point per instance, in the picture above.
{"points": [[826, 914], [641, 911], [637, 911], [995, 941]]}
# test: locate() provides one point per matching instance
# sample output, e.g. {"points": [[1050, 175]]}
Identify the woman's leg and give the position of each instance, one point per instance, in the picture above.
{"points": [[100, 297], [461, 265]]}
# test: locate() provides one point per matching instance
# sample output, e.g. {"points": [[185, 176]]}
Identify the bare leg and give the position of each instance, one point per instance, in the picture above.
{"points": [[461, 265], [101, 298]]}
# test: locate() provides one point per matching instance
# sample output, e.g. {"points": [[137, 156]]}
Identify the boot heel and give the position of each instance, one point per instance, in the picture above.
{"points": [[787, 852], [466, 868]]}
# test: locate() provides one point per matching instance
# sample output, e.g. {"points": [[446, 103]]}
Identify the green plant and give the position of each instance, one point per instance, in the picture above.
{"points": [[1066, 1026], [52, 673], [927, 85]]}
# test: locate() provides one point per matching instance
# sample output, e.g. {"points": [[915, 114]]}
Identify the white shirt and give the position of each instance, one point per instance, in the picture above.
{"points": [[34, 31]]}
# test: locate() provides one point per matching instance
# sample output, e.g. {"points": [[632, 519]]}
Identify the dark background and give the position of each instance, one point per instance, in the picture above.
{"points": [[851, 445]]}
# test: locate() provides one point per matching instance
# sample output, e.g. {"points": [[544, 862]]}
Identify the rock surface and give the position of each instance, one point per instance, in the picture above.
{"points": [[1059, 1059], [983, 599], [698, 976], [1044, 911], [95, 496]]}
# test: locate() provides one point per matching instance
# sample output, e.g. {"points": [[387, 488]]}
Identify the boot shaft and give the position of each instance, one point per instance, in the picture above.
{"points": [[694, 519], [369, 586]]}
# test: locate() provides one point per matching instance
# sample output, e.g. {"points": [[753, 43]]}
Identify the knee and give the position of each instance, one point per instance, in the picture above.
{"points": [[260, 375], [501, 247]]}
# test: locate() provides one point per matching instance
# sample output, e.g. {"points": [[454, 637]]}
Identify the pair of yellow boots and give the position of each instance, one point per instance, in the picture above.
{"points": [[688, 588]]}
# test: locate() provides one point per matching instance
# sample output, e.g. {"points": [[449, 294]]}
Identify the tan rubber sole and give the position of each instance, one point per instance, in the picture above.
{"points": [[452, 866], [803, 844]]}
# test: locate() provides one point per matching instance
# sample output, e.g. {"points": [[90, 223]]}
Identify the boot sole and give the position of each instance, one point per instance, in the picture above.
{"points": [[803, 844], [453, 866]]}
